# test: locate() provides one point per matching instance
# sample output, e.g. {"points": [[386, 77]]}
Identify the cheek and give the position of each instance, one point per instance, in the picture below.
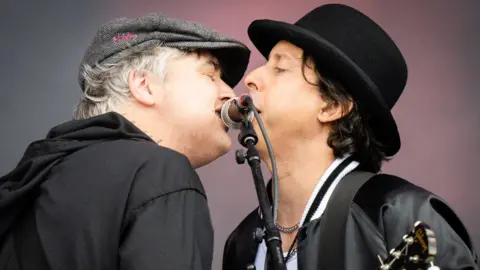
{"points": [[282, 100], [195, 100], [293, 106], [194, 90]]}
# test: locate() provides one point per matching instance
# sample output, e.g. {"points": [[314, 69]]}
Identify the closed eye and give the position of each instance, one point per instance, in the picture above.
{"points": [[279, 70], [212, 77]]}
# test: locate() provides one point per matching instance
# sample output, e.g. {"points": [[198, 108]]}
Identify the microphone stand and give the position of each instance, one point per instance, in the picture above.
{"points": [[248, 138]]}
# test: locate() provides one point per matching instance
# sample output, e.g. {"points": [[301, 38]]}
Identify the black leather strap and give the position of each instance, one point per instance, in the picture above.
{"points": [[334, 219]]}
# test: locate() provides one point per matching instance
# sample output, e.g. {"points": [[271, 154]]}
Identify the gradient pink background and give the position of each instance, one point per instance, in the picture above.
{"points": [[438, 116]]}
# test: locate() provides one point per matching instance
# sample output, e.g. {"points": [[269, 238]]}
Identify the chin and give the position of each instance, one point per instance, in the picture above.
{"points": [[262, 149], [221, 147], [224, 146], [217, 149], [261, 146]]}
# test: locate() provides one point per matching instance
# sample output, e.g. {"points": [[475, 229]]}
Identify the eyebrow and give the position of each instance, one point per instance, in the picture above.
{"points": [[213, 63], [278, 56]]}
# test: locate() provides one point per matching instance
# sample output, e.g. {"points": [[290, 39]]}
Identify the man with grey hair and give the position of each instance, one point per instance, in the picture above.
{"points": [[116, 187]]}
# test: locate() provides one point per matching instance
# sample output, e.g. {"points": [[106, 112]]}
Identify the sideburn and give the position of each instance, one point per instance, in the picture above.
{"points": [[332, 92]]}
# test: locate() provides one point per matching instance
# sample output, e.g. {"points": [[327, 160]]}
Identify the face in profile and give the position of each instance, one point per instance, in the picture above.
{"points": [[188, 103], [284, 91]]}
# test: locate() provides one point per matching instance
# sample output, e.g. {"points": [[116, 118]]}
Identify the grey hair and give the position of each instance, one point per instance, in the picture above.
{"points": [[106, 85]]}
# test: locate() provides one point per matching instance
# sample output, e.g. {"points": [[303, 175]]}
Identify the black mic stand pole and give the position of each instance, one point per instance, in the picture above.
{"points": [[248, 138]]}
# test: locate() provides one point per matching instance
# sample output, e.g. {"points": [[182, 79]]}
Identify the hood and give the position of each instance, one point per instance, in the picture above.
{"points": [[19, 187]]}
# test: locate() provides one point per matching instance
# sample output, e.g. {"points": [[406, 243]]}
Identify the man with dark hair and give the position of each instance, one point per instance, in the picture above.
{"points": [[325, 96], [116, 187]]}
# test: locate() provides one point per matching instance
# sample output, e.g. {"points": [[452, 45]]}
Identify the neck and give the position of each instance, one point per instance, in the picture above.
{"points": [[299, 169], [164, 132], [142, 119]]}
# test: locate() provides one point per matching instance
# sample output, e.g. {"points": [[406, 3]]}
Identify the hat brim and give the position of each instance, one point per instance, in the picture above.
{"points": [[233, 61], [233, 57], [265, 34]]}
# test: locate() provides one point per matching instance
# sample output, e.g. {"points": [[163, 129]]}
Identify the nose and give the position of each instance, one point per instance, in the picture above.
{"points": [[251, 81], [226, 93]]}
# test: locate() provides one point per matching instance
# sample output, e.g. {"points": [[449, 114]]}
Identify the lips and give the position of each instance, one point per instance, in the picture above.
{"points": [[218, 112], [257, 108]]}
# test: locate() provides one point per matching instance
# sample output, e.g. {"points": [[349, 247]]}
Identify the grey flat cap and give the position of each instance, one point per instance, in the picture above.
{"points": [[123, 33]]}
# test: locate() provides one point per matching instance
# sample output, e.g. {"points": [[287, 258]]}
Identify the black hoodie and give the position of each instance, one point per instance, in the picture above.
{"points": [[103, 195]]}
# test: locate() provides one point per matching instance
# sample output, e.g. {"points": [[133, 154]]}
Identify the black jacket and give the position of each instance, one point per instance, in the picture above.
{"points": [[377, 221], [102, 195]]}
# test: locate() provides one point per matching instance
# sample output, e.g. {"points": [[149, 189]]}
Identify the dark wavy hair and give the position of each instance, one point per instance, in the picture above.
{"points": [[351, 133]]}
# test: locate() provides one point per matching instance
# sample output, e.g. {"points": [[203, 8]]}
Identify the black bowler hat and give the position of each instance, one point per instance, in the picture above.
{"points": [[351, 48]]}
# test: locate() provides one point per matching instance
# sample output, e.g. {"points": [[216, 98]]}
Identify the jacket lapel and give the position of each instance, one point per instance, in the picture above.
{"points": [[246, 247]]}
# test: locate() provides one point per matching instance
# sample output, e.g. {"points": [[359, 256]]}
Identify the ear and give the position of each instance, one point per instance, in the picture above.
{"points": [[331, 111], [139, 87]]}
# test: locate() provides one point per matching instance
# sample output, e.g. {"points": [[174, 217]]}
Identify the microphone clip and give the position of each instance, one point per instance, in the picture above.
{"points": [[247, 136]]}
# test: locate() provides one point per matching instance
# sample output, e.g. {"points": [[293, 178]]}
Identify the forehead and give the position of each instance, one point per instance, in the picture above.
{"points": [[203, 61], [285, 49], [205, 57]]}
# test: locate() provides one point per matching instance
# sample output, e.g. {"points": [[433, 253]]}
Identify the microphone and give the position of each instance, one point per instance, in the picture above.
{"points": [[232, 111]]}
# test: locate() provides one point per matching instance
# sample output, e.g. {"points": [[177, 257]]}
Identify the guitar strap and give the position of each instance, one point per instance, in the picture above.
{"points": [[334, 219]]}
